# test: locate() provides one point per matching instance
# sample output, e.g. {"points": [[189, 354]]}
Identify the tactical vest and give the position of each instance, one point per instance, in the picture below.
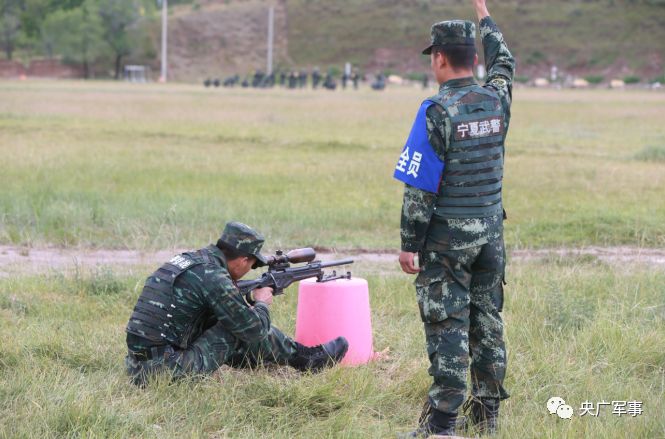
{"points": [[473, 163], [154, 308]]}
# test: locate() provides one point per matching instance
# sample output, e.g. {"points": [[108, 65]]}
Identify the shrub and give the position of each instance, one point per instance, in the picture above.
{"points": [[660, 79], [594, 79], [651, 153], [631, 79], [535, 57], [522, 79], [334, 71]]}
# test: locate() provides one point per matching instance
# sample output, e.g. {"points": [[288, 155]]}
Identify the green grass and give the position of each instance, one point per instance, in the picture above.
{"points": [[575, 328], [651, 153], [151, 167]]}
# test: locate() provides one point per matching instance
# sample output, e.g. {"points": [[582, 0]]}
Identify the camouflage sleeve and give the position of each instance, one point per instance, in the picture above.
{"points": [[418, 205], [417, 210], [499, 62], [249, 324]]}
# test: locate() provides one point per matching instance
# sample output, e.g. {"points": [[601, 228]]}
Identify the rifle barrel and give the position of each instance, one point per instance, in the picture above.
{"points": [[336, 263]]}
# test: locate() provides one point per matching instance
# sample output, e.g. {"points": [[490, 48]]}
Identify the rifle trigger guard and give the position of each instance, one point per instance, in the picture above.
{"points": [[278, 288]]}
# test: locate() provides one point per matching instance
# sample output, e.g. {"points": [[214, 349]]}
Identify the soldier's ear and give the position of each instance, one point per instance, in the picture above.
{"points": [[475, 60], [441, 60]]}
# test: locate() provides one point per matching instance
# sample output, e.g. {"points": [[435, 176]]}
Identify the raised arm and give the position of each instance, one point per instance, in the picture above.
{"points": [[499, 62], [481, 9], [498, 59]]}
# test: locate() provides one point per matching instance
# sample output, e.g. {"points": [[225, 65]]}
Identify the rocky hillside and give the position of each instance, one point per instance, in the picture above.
{"points": [[216, 38]]}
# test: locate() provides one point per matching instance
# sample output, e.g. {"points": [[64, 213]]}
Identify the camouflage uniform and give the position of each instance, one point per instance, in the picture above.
{"points": [[460, 289], [191, 319]]}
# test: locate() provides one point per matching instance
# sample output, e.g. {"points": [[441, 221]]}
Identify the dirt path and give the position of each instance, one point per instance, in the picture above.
{"points": [[611, 255], [36, 260]]}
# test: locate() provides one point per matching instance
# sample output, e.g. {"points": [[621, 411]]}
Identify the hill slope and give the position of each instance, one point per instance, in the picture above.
{"points": [[616, 37], [215, 38]]}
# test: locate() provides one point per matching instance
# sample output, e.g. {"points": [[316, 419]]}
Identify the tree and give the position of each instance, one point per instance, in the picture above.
{"points": [[118, 17], [10, 25], [76, 34], [35, 12]]}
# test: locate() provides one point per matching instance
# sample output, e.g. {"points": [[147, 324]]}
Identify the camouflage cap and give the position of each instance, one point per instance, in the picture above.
{"points": [[244, 239], [452, 32]]}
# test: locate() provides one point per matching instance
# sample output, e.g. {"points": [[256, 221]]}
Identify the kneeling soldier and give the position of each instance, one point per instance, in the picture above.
{"points": [[190, 318]]}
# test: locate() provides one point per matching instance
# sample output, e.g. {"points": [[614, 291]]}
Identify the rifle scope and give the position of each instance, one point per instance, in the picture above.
{"points": [[295, 256]]}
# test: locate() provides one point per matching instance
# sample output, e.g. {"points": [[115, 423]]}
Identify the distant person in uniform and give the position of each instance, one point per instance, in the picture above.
{"points": [[231, 81], [316, 78], [268, 81], [329, 83], [452, 218], [293, 80], [379, 83], [190, 318], [355, 77], [257, 79]]}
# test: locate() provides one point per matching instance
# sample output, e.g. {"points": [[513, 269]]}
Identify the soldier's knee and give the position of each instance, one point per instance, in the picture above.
{"points": [[448, 351]]}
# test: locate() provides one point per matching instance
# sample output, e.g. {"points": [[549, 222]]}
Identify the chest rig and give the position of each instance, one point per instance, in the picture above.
{"points": [[473, 163], [155, 307]]}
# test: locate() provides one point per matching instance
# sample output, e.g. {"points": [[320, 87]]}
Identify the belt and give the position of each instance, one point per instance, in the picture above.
{"points": [[148, 354]]}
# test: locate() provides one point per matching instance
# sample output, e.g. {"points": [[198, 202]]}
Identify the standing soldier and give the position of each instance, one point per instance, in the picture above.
{"points": [[355, 78], [293, 79], [329, 82], [452, 217], [316, 78], [302, 79]]}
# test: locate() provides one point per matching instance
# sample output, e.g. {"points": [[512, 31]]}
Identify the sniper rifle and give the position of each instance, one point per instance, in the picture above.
{"points": [[281, 274]]}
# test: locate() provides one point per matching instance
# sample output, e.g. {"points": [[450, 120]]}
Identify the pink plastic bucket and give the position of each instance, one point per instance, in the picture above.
{"points": [[329, 309]]}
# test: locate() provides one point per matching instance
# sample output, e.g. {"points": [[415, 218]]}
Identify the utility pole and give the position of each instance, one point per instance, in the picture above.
{"points": [[162, 77], [271, 19]]}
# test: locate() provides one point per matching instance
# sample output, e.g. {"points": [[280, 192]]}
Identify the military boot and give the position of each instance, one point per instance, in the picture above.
{"points": [[436, 423], [319, 357], [483, 414]]}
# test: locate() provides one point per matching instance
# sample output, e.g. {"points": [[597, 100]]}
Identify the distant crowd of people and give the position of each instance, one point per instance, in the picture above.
{"points": [[297, 80]]}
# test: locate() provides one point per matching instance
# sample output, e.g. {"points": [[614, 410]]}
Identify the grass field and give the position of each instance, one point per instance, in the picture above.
{"points": [[119, 166], [576, 329], [152, 167]]}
